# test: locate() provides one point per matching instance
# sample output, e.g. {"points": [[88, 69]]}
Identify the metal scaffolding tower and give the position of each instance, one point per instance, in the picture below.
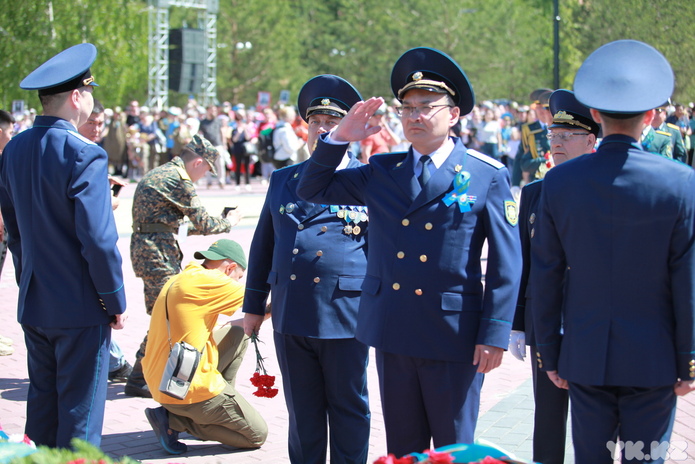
{"points": [[158, 55]]}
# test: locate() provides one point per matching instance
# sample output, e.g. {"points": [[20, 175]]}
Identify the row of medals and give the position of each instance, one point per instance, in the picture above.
{"points": [[351, 216]]}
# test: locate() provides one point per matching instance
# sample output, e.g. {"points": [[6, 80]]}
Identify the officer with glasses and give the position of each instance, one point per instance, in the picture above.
{"points": [[572, 133], [436, 329]]}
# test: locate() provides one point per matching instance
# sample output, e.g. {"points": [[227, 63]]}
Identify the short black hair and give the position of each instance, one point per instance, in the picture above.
{"points": [[6, 118], [98, 107], [620, 115]]}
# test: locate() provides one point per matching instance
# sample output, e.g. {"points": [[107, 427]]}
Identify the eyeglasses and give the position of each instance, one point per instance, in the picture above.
{"points": [[424, 110], [563, 136]]}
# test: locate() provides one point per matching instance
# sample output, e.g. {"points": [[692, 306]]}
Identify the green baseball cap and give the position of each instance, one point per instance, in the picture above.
{"points": [[202, 147], [224, 249]]}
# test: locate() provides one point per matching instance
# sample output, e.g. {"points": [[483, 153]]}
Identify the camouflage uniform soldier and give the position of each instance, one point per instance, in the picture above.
{"points": [[162, 199]]}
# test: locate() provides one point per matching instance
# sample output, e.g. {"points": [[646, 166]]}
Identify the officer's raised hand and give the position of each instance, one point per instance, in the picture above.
{"points": [[353, 127]]}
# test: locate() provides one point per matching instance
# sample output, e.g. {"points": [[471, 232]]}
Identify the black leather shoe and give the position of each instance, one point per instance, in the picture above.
{"points": [[168, 438], [121, 374], [141, 391]]}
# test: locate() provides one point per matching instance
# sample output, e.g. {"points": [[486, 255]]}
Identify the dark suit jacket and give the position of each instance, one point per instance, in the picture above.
{"points": [[528, 215], [618, 226], [423, 294], [302, 253], [56, 202]]}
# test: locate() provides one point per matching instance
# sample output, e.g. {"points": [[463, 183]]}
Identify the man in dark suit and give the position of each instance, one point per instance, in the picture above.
{"points": [[56, 203], [312, 258], [572, 133], [613, 266], [435, 328]]}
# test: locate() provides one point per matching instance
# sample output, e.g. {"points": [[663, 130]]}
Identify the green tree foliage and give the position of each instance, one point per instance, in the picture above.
{"points": [[505, 46], [666, 25], [34, 31]]}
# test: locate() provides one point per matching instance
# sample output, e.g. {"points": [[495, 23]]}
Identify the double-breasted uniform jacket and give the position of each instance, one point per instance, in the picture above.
{"points": [[56, 203], [312, 256], [423, 294], [618, 226], [528, 215]]}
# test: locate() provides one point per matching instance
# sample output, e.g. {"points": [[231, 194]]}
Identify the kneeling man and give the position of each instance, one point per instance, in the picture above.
{"points": [[212, 408]]}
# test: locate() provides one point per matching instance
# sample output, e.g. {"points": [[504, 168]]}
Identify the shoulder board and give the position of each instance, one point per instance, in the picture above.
{"points": [[81, 137], [491, 161], [667, 134], [672, 126]]}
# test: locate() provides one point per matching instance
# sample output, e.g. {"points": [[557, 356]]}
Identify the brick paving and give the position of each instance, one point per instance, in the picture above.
{"points": [[506, 407]]}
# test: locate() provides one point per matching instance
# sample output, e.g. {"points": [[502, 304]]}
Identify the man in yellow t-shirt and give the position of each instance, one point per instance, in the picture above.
{"points": [[212, 409]]}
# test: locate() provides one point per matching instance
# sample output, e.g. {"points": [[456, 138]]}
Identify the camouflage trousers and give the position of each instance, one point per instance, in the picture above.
{"points": [[153, 286]]}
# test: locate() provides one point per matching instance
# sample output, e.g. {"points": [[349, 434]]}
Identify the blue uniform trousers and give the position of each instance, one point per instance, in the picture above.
{"points": [[325, 386], [443, 401], [601, 414], [68, 370]]}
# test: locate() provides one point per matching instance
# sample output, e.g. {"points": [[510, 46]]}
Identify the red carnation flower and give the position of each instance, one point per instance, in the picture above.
{"points": [[260, 379]]}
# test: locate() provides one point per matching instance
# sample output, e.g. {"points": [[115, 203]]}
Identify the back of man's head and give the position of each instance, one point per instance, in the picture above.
{"points": [[6, 120]]}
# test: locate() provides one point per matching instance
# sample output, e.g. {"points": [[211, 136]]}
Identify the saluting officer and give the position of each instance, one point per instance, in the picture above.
{"points": [[312, 260], [56, 202], [435, 328], [613, 265], [572, 133]]}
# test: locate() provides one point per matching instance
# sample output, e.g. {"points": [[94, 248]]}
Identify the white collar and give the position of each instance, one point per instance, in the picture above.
{"points": [[438, 156]]}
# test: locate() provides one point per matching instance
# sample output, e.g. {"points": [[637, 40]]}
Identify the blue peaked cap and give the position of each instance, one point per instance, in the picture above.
{"points": [[67, 70], [625, 76], [326, 94], [568, 113], [433, 70]]}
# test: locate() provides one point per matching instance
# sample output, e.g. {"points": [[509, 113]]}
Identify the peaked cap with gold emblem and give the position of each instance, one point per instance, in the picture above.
{"points": [[568, 113], [326, 94], [68, 70], [430, 69]]}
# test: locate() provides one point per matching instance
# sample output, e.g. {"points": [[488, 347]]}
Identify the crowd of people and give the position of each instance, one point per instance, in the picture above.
{"points": [[139, 138], [430, 184]]}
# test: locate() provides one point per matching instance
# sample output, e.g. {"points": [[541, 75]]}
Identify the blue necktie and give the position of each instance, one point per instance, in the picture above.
{"points": [[425, 174]]}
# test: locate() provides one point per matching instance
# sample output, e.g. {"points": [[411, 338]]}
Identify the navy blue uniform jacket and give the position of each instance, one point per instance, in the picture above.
{"points": [[423, 294], [315, 270], [56, 203], [618, 226]]}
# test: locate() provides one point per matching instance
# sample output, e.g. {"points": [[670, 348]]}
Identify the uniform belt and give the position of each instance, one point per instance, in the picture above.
{"points": [[140, 228]]}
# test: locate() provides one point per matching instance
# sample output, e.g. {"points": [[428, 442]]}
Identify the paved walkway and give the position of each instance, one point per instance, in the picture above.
{"points": [[506, 406]]}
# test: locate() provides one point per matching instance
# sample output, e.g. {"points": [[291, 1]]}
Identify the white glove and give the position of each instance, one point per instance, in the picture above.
{"points": [[517, 344]]}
